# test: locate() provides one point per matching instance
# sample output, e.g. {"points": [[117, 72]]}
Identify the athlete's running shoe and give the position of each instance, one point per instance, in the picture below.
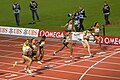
{"points": [[54, 53], [39, 62], [29, 71], [15, 64]]}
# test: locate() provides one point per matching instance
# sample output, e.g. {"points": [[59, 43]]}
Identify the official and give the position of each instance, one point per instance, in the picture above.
{"points": [[33, 7], [16, 9], [106, 12]]}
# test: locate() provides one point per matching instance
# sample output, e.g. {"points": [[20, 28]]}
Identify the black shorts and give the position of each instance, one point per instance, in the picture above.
{"points": [[97, 35], [86, 39], [40, 47], [68, 30], [32, 54], [25, 55], [65, 43]]}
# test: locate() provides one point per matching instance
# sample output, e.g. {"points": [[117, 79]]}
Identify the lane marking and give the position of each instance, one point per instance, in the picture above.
{"points": [[11, 75], [79, 49], [47, 45], [45, 50], [96, 64], [8, 39], [24, 74], [63, 72], [88, 59]]}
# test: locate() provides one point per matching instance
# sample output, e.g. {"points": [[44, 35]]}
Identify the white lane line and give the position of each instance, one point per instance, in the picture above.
{"points": [[50, 62], [24, 74], [86, 60], [96, 64], [62, 52], [116, 57], [61, 60], [114, 63], [69, 72], [99, 68], [8, 39], [55, 45], [49, 44], [45, 55], [115, 70], [49, 77], [86, 74]]}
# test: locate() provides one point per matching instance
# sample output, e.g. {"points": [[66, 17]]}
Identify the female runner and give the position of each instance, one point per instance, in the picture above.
{"points": [[25, 56], [96, 32], [67, 42], [70, 26], [40, 52], [84, 38]]}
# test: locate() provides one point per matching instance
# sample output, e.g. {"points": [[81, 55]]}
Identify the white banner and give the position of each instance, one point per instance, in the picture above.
{"points": [[19, 31]]}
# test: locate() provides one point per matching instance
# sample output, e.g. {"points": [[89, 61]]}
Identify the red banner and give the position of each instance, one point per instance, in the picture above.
{"points": [[111, 40], [51, 33]]}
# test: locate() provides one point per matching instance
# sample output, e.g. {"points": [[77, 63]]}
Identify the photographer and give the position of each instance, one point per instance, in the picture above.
{"points": [[77, 22], [16, 9], [82, 16], [33, 7], [106, 12]]}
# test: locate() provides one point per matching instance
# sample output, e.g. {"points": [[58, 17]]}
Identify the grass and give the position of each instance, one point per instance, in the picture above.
{"points": [[53, 14]]}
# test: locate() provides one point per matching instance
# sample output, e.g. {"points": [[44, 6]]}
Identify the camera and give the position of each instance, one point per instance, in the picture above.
{"points": [[70, 15]]}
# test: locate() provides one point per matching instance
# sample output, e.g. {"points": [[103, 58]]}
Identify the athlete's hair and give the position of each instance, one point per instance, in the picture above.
{"points": [[27, 40], [90, 29], [69, 20], [95, 24], [32, 39]]}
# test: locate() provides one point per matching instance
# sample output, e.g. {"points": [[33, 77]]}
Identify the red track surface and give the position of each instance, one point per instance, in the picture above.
{"points": [[105, 66]]}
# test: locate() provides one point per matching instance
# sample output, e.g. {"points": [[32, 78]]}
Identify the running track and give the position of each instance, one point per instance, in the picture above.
{"points": [[104, 66]]}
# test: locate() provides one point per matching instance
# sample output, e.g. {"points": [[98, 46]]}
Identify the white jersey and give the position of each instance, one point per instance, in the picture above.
{"points": [[96, 30], [70, 27], [26, 48]]}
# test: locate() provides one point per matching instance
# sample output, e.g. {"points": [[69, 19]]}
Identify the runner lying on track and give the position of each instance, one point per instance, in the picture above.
{"points": [[67, 42], [25, 56]]}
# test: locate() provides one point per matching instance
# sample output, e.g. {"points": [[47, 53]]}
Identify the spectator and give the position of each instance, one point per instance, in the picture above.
{"points": [[16, 9], [81, 15], [106, 12], [33, 7]]}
